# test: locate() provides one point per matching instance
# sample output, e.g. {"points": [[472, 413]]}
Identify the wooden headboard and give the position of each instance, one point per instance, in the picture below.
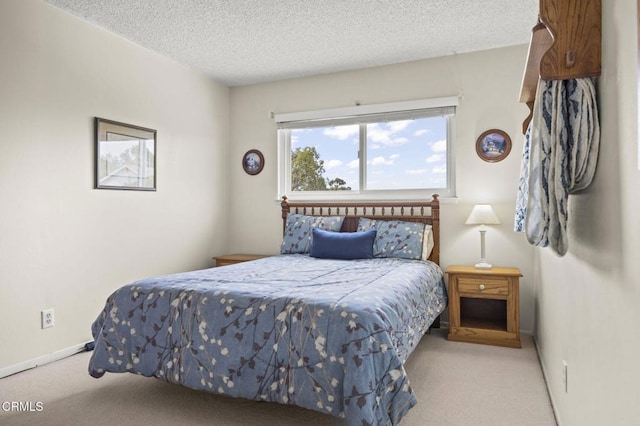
{"points": [[427, 212]]}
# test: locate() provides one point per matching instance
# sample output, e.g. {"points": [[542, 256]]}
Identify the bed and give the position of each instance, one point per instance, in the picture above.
{"points": [[325, 325]]}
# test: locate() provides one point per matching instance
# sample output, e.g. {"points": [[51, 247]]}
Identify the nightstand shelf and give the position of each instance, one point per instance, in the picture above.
{"points": [[484, 305], [483, 313]]}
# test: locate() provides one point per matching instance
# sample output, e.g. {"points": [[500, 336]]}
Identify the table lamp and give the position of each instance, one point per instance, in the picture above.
{"points": [[482, 214]]}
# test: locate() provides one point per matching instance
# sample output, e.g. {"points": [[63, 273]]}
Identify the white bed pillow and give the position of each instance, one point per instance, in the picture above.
{"points": [[427, 242]]}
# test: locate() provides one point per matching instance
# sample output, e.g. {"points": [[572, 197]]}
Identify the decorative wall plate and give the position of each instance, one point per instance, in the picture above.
{"points": [[493, 145], [253, 162]]}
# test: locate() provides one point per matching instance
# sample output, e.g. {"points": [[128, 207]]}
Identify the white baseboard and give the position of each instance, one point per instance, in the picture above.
{"points": [[41, 360], [445, 324], [546, 382]]}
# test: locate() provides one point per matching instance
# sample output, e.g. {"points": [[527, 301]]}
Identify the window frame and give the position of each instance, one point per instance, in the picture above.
{"points": [[352, 115]]}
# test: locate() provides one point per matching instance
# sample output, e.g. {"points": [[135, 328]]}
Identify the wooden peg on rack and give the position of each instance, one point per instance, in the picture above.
{"points": [[565, 44]]}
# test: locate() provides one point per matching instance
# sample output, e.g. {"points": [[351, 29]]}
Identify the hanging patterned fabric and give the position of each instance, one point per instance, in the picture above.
{"points": [[564, 138], [523, 187]]}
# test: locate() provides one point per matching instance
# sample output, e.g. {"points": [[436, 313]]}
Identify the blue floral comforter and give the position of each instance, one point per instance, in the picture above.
{"points": [[328, 335]]}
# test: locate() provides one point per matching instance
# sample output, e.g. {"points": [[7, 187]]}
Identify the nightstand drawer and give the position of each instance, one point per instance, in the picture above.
{"points": [[492, 286]]}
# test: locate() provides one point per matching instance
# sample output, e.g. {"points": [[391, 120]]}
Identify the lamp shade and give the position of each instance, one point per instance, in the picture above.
{"points": [[482, 214]]}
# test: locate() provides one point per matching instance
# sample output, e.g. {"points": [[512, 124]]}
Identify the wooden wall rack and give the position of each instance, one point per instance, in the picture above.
{"points": [[565, 44]]}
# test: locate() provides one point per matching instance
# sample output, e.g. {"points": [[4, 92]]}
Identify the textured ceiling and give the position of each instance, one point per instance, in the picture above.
{"points": [[239, 42]]}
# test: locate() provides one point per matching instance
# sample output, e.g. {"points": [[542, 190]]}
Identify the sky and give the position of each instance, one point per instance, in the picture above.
{"points": [[400, 154]]}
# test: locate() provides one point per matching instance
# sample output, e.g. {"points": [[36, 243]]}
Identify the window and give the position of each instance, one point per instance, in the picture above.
{"points": [[401, 150]]}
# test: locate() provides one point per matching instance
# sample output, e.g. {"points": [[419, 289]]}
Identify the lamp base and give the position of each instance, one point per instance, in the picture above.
{"points": [[483, 265]]}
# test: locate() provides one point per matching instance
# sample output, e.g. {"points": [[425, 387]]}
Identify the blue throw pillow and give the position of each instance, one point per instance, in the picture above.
{"points": [[342, 245]]}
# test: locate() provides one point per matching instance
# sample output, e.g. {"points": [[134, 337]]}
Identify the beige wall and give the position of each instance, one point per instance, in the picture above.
{"points": [[64, 245], [588, 308], [67, 246], [489, 82]]}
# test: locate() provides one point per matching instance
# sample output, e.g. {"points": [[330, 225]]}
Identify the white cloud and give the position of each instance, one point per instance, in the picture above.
{"points": [[378, 161], [296, 133], [377, 134], [440, 169], [394, 156], [416, 171], [386, 137], [398, 126], [353, 164], [439, 146], [342, 132], [435, 157], [330, 164], [420, 132]]}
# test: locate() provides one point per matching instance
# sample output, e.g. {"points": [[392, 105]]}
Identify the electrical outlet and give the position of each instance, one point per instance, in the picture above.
{"points": [[565, 377], [47, 318]]}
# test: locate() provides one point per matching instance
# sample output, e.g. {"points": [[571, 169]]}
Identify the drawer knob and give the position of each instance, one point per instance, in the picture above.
{"points": [[481, 286]]}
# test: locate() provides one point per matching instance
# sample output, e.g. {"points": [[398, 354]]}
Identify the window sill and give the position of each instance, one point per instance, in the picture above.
{"points": [[354, 196]]}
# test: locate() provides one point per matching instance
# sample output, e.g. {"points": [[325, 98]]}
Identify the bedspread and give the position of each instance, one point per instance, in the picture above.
{"points": [[328, 335]]}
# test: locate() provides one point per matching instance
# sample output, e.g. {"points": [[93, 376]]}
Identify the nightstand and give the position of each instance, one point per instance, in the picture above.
{"points": [[484, 305], [230, 259]]}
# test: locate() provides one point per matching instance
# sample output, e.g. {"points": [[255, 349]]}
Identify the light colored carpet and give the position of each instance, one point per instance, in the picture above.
{"points": [[455, 383]]}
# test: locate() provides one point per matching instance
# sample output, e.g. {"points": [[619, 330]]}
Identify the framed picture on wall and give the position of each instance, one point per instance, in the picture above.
{"points": [[253, 162], [125, 156], [493, 145]]}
